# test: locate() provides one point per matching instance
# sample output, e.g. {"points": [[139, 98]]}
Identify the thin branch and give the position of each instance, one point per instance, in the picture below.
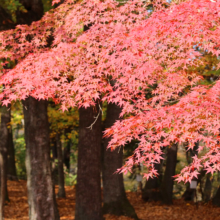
{"points": [[96, 118]]}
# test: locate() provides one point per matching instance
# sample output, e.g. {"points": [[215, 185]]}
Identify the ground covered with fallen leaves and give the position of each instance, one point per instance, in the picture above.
{"points": [[17, 208]]}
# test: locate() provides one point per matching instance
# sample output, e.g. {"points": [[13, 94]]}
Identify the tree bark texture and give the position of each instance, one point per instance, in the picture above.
{"points": [[207, 188], [189, 194], [54, 159], [114, 196], [216, 198], [151, 190], [11, 168], [5, 120], [66, 154], [61, 182], [41, 198], [88, 188], [167, 182]]}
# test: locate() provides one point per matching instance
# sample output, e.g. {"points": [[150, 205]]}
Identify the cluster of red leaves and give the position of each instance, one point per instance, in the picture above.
{"points": [[136, 50]]}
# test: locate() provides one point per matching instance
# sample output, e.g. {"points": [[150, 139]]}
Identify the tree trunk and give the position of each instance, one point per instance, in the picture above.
{"points": [[5, 24], [216, 198], [5, 119], [189, 194], [151, 191], [54, 161], [207, 188], [66, 154], [11, 168], [88, 188], [167, 183], [114, 196], [61, 192], [41, 198]]}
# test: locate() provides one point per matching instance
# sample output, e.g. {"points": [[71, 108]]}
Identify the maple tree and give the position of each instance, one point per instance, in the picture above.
{"points": [[142, 52]]}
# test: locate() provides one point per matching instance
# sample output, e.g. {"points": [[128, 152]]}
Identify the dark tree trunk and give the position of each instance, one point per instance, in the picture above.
{"points": [[88, 188], [54, 163], [41, 198], [151, 190], [11, 168], [114, 196], [67, 149], [189, 194], [66, 155], [216, 198], [207, 188], [5, 119], [54, 148], [167, 183], [61, 191], [5, 24]]}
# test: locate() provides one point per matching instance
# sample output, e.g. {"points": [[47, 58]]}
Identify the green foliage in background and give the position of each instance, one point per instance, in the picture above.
{"points": [[60, 121], [47, 5], [11, 6], [20, 152], [17, 123]]}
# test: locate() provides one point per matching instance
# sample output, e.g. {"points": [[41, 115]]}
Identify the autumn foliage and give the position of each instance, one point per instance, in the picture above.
{"points": [[18, 206], [145, 61]]}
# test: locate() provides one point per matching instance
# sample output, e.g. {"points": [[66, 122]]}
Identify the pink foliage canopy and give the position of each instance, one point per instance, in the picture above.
{"points": [[141, 52]]}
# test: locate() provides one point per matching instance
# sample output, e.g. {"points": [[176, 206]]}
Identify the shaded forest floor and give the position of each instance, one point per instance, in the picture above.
{"points": [[17, 208]]}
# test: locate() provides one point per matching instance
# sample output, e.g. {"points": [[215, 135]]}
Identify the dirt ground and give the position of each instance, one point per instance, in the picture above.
{"points": [[17, 208]]}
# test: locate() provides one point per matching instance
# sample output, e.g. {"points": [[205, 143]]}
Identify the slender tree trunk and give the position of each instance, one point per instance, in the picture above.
{"points": [[66, 155], [216, 198], [41, 198], [5, 119], [61, 192], [54, 163], [54, 148], [114, 196], [5, 24], [167, 183], [88, 188], [207, 188], [67, 149], [151, 191], [11, 168], [189, 194]]}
